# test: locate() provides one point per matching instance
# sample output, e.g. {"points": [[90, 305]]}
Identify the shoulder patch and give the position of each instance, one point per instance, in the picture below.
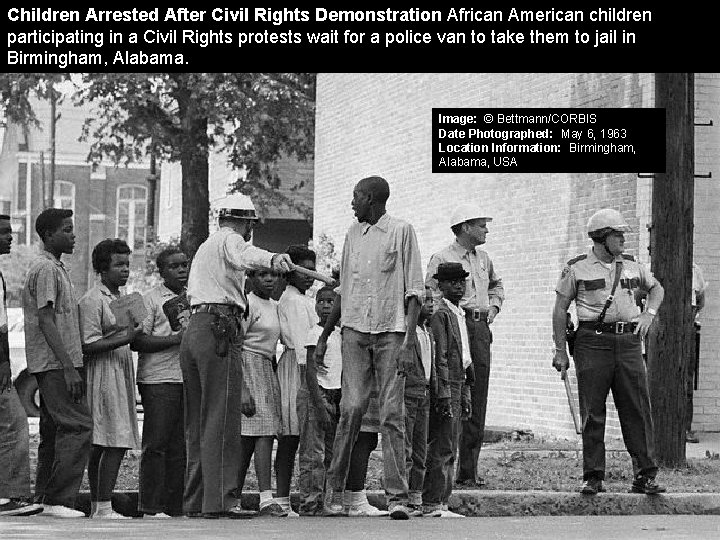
{"points": [[576, 259], [628, 257]]}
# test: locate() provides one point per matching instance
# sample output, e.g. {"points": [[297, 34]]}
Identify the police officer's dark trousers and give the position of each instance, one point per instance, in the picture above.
{"points": [[473, 429], [212, 392], [613, 362]]}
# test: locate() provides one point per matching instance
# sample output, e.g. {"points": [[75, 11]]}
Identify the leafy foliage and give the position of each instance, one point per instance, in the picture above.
{"points": [[14, 268], [254, 117], [16, 89], [146, 277], [327, 259]]}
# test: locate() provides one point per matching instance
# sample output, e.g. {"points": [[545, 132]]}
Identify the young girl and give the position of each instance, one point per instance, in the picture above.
{"points": [[297, 316], [110, 375], [261, 332]]}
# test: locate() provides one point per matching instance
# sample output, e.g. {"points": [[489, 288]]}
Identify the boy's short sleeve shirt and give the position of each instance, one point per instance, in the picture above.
{"points": [[161, 366], [331, 380], [48, 283]]}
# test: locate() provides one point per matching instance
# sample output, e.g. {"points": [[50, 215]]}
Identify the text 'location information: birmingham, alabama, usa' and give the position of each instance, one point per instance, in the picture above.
{"points": [[548, 140]]}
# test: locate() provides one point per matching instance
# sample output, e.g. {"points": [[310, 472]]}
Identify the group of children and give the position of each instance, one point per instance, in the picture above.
{"points": [[298, 401], [295, 400]]}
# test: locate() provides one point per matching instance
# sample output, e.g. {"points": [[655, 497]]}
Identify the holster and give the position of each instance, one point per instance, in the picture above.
{"points": [[225, 331], [570, 335]]}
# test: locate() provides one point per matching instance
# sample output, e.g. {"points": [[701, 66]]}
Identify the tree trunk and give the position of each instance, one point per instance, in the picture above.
{"points": [[671, 339], [194, 163], [195, 199]]}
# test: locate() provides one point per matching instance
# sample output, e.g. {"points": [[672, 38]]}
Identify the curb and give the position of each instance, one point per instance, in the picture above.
{"points": [[496, 503]]}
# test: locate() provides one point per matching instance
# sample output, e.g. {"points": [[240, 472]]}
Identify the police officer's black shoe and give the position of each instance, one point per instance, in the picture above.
{"points": [[646, 485], [592, 486]]}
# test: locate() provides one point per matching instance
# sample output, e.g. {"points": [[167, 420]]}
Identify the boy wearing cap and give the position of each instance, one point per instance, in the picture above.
{"points": [[450, 401], [481, 302]]}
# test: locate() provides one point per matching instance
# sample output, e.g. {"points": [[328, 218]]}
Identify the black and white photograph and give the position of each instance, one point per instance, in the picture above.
{"points": [[428, 303]]}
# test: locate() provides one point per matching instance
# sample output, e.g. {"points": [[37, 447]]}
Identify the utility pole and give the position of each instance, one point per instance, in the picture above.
{"points": [[671, 339], [152, 190], [53, 125]]}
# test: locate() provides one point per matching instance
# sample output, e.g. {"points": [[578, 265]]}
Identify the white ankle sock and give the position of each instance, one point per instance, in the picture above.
{"points": [[265, 497], [358, 497], [103, 507]]}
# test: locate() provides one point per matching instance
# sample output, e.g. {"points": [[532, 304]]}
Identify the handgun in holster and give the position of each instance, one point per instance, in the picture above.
{"points": [[224, 329], [570, 335]]}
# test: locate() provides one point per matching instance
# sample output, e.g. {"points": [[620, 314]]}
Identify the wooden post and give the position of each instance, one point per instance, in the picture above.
{"points": [[152, 178], [53, 128], [671, 338]]}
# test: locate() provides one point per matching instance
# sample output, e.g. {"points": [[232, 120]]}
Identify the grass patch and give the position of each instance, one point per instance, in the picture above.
{"points": [[528, 464]]}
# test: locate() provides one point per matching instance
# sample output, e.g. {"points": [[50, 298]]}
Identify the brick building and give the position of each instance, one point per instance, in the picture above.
{"points": [[381, 124], [107, 201], [279, 226]]}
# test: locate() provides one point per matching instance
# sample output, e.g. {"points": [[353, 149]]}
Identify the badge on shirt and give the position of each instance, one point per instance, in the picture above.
{"points": [[565, 272]]}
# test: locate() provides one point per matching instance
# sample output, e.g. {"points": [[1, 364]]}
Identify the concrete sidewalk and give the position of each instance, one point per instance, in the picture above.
{"points": [[497, 503]]}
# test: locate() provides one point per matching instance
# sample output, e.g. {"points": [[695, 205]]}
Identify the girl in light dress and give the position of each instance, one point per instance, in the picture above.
{"points": [[110, 375]]}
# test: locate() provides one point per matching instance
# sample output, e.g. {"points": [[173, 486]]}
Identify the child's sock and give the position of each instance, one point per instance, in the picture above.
{"points": [[266, 498], [358, 497], [103, 508]]}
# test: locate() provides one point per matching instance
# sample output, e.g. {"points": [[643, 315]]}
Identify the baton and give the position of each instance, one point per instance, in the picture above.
{"points": [[571, 402], [312, 273]]}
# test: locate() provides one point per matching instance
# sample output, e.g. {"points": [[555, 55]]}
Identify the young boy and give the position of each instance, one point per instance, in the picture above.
{"points": [[54, 355], [159, 379], [318, 409], [417, 405], [451, 401]]}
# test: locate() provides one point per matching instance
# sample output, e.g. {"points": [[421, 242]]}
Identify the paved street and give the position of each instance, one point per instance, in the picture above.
{"points": [[595, 528]]}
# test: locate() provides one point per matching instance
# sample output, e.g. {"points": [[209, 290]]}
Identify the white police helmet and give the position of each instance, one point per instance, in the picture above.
{"points": [[236, 206], [607, 218], [465, 212]]}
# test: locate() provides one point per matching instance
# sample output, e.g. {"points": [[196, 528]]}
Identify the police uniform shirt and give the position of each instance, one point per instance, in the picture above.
{"points": [[588, 281], [217, 273]]}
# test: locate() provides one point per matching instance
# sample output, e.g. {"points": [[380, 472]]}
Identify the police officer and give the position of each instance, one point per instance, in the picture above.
{"points": [[608, 348], [210, 357]]}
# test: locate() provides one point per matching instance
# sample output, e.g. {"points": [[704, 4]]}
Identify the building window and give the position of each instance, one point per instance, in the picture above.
{"points": [[132, 215], [64, 195]]}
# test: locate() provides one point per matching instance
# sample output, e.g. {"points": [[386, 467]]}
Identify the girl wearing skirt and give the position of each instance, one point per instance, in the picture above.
{"points": [[261, 332]]}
